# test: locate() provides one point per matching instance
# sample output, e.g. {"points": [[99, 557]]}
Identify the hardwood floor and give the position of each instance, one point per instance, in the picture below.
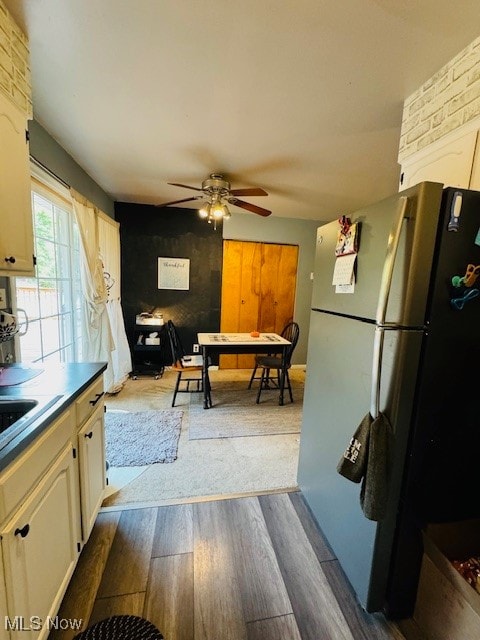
{"points": [[254, 568]]}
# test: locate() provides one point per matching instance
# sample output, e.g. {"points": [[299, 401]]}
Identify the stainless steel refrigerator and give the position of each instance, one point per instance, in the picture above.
{"points": [[406, 343]]}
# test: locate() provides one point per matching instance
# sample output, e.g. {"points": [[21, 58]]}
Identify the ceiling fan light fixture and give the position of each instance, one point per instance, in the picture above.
{"points": [[217, 210], [205, 210]]}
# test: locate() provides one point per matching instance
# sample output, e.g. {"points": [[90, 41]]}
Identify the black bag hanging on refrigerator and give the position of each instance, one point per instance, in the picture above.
{"points": [[374, 491], [352, 464], [366, 459]]}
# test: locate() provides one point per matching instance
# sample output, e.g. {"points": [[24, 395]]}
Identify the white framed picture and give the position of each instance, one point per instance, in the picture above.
{"points": [[174, 273]]}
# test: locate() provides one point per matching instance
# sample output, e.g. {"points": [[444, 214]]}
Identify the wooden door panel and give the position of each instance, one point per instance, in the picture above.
{"points": [[286, 286], [240, 294], [249, 295], [230, 309], [270, 265], [258, 291]]}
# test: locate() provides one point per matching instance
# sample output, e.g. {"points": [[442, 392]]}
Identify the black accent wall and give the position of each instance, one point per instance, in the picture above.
{"points": [[147, 233]]}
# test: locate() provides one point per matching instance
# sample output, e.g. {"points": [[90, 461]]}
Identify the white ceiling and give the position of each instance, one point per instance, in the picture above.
{"points": [[300, 97]]}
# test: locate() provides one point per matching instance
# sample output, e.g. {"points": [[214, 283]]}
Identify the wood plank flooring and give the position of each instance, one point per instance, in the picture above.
{"points": [[254, 568]]}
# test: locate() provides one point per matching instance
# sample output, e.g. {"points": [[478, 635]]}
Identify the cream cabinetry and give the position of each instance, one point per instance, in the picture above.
{"points": [[4, 635], [16, 230], [91, 453], [49, 498], [448, 161], [475, 178], [40, 548]]}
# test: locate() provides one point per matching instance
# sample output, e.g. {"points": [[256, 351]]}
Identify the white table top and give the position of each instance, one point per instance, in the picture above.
{"points": [[212, 339]]}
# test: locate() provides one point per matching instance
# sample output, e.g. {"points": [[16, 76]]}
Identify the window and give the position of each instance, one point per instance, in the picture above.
{"points": [[52, 300]]}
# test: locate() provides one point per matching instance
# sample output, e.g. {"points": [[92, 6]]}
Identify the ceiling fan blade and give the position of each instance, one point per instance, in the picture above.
{"points": [[249, 207], [185, 186], [254, 191], [166, 204]]}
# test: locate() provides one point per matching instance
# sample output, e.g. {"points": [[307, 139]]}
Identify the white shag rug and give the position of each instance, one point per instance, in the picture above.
{"points": [[142, 437]]}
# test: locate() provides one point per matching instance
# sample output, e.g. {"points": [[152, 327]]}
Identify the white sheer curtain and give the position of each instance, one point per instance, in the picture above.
{"points": [[104, 339], [109, 245]]}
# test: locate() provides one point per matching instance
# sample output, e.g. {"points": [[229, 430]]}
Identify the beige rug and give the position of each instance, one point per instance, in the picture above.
{"points": [[235, 412], [138, 438], [204, 468]]}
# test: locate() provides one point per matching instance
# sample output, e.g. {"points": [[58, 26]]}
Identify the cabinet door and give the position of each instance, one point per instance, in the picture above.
{"points": [[40, 550], [91, 458], [450, 164], [16, 231], [4, 634]]}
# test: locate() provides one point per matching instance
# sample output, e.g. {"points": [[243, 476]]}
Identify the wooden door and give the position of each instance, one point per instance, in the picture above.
{"points": [[258, 291]]}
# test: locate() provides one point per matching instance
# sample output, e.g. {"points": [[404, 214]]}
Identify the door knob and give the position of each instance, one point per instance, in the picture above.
{"points": [[10, 259]]}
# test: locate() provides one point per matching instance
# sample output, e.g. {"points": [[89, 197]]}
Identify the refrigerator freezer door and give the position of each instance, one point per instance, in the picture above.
{"points": [[411, 274], [337, 396]]}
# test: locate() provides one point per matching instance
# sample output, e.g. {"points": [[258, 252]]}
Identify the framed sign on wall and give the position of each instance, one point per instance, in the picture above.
{"points": [[174, 273]]}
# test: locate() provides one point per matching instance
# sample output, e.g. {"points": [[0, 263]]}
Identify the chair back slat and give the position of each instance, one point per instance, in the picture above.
{"points": [[178, 352], [290, 332]]}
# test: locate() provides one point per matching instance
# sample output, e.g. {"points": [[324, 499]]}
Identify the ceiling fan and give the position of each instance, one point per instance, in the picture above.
{"points": [[215, 190]]}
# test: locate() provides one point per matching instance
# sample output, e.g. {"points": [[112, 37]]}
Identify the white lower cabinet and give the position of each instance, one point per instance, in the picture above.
{"points": [[91, 460], [49, 498], [40, 549]]}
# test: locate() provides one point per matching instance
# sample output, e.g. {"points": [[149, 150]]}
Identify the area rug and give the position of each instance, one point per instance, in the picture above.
{"points": [[142, 437], [235, 413]]}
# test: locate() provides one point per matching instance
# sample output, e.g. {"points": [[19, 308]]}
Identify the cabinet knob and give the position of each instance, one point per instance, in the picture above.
{"points": [[89, 435], [10, 259], [23, 532]]}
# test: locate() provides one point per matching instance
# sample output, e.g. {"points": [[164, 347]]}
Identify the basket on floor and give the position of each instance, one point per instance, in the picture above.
{"points": [[121, 628]]}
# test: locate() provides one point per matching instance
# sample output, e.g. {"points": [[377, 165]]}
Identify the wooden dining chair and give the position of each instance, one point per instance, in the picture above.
{"points": [[280, 365], [189, 368]]}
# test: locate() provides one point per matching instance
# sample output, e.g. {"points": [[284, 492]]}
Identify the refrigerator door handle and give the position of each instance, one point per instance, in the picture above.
{"points": [[385, 285], [376, 371], [389, 264]]}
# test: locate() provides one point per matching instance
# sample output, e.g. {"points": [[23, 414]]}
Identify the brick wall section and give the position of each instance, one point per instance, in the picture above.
{"points": [[14, 63], [447, 101]]}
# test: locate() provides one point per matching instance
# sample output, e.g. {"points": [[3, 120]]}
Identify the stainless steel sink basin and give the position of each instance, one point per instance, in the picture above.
{"points": [[12, 409], [18, 413]]}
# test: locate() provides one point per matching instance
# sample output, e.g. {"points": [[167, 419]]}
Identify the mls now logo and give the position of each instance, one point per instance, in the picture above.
{"points": [[35, 623]]}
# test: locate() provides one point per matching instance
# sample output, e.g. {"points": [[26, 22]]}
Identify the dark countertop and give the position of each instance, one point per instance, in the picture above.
{"points": [[57, 386]]}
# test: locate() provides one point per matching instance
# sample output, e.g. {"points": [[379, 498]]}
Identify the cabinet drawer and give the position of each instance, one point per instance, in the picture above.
{"points": [[20, 476], [86, 404]]}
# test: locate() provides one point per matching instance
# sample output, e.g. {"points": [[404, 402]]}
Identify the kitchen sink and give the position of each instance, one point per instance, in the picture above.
{"points": [[18, 413], [12, 409]]}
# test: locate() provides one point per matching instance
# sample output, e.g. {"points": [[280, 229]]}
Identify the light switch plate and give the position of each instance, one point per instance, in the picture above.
{"points": [[3, 298]]}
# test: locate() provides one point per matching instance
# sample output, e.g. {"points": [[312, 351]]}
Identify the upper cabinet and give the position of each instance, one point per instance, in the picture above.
{"points": [[447, 162], [16, 230]]}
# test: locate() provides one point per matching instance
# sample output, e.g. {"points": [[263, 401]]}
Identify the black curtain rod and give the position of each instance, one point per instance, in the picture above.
{"points": [[49, 171]]}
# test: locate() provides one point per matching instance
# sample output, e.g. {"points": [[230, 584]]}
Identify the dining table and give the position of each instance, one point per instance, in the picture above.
{"points": [[240, 343]]}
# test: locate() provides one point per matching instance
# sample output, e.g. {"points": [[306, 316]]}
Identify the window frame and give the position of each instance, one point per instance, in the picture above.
{"points": [[68, 300]]}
